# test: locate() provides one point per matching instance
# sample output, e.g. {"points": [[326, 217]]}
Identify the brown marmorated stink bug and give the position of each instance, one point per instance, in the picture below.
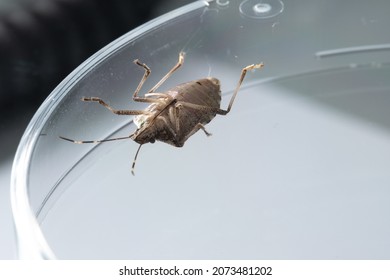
{"points": [[176, 114]]}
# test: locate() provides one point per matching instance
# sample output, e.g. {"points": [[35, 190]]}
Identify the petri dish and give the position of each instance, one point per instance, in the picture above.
{"points": [[299, 169]]}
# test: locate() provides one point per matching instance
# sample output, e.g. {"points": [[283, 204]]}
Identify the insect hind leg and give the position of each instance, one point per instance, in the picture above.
{"points": [[241, 79], [201, 126], [176, 116], [219, 111]]}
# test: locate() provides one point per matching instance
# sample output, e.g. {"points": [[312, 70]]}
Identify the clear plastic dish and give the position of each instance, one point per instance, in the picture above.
{"points": [[299, 169]]}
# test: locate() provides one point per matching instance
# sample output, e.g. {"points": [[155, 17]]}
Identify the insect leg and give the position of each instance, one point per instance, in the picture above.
{"points": [[203, 108], [135, 159], [201, 126], [149, 97], [177, 66], [144, 78], [176, 116], [94, 141], [243, 73], [118, 112], [173, 118], [167, 125], [218, 110]]}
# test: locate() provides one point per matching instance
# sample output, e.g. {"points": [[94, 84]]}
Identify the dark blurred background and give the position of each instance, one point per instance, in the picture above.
{"points": [[42, 41]]}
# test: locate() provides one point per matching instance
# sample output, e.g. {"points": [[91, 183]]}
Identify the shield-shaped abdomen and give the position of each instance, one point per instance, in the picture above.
{"points": [[205, 92]]}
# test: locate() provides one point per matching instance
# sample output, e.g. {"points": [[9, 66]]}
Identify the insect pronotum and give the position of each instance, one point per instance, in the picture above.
{"points": [[174, 115]]}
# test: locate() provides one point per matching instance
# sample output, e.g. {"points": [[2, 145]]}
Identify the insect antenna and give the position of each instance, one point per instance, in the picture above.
{"points": [[105, 140], [135, 158], [94, 141]]}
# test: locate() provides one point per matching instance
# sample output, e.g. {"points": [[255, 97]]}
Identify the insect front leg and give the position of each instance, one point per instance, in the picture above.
{"points": [[117, 112], [147, 72]]}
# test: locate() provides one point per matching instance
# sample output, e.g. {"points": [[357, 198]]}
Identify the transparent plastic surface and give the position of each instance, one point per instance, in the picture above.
{"points": [[299, 169]]}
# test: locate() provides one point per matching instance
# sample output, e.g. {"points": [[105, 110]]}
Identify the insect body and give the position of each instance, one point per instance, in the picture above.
{"points": [[184, 110], [175, 115]]}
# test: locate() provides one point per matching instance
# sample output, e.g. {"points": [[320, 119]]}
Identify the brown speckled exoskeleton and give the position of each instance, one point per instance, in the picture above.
{"points": [[176, 114]]}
